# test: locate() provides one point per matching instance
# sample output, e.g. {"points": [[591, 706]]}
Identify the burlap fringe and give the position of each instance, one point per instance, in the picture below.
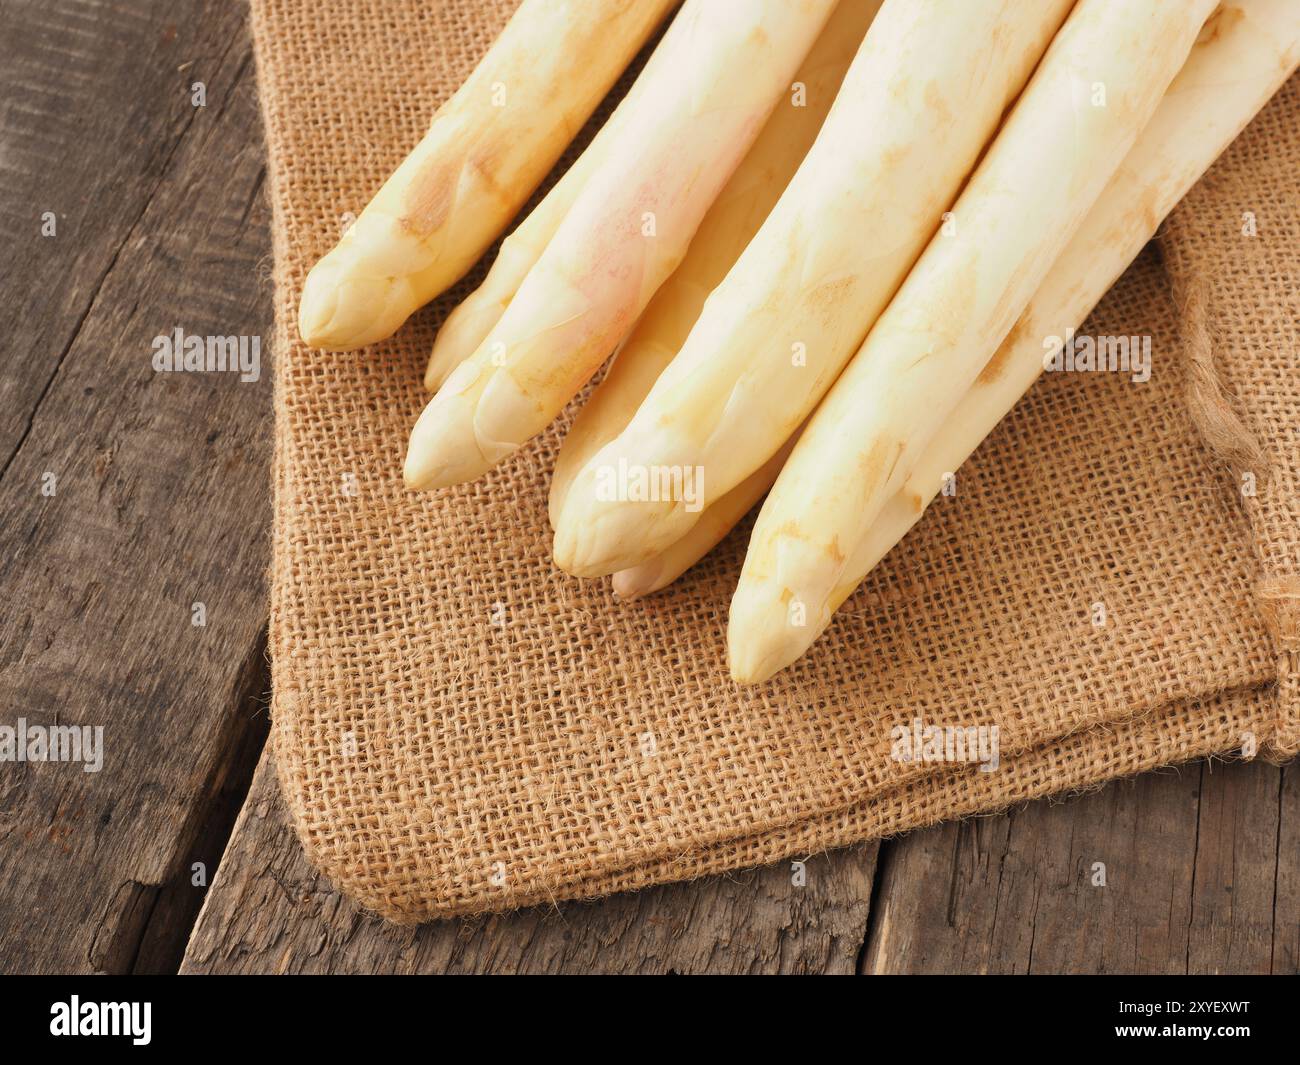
{"points": [[1212, 411], [1208, 403], [1279, 604]]}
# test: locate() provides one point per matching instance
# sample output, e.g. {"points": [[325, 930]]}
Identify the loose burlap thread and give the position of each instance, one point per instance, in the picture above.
{"points": [[459, 727], [1231, 250]]}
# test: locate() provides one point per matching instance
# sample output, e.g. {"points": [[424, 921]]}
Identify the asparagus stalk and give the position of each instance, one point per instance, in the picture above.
{"points": [[718, 519], [1244, 54], [1046, 168], [728, 226], [921, 99], [725, 66], [486, 150], [468, 325]]}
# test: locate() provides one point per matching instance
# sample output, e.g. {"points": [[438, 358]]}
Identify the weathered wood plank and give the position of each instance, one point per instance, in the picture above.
{"points": [[1189, 858], [269, 912], [126, 496], [93, 105], [1286, 898], [201, 845], [1235, 917]]}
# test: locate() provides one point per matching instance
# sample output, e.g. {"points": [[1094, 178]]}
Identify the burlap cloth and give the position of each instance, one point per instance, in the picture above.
{"points": [[459, 727]]}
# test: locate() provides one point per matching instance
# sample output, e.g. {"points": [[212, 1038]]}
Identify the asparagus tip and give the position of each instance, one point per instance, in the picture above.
{"points": [[443, 449], [763, 634], [638, 581]]}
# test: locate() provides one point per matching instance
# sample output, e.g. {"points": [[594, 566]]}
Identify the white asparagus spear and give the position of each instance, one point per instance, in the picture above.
{"points": [[728, 226], [725, 67], [1097, 87], [718, 519], [486, 150], [468, 325], [1245, 52], [922, 98]]}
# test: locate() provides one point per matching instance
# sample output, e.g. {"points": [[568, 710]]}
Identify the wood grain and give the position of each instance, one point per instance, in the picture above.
{"points": [[1191, 875], [160, 481], [269, 912]]}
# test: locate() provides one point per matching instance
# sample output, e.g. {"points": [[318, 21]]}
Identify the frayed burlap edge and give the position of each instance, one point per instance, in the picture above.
{"points": [[1243, 388]]}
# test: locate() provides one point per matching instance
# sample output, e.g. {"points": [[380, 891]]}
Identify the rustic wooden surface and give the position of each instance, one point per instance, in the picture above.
{"points": [[160, 480], [162, 500], [270, 912], [1200, 868]]}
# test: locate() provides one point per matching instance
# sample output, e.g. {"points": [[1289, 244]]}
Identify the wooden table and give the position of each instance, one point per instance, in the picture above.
{"points": [[127, 496]]}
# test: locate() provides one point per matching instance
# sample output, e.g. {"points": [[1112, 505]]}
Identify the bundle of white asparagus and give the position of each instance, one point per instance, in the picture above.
{"points": [[827, 240]]}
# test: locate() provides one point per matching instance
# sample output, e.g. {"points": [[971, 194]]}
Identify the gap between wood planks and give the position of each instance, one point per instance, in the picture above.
{"points": [[176, 905]]}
